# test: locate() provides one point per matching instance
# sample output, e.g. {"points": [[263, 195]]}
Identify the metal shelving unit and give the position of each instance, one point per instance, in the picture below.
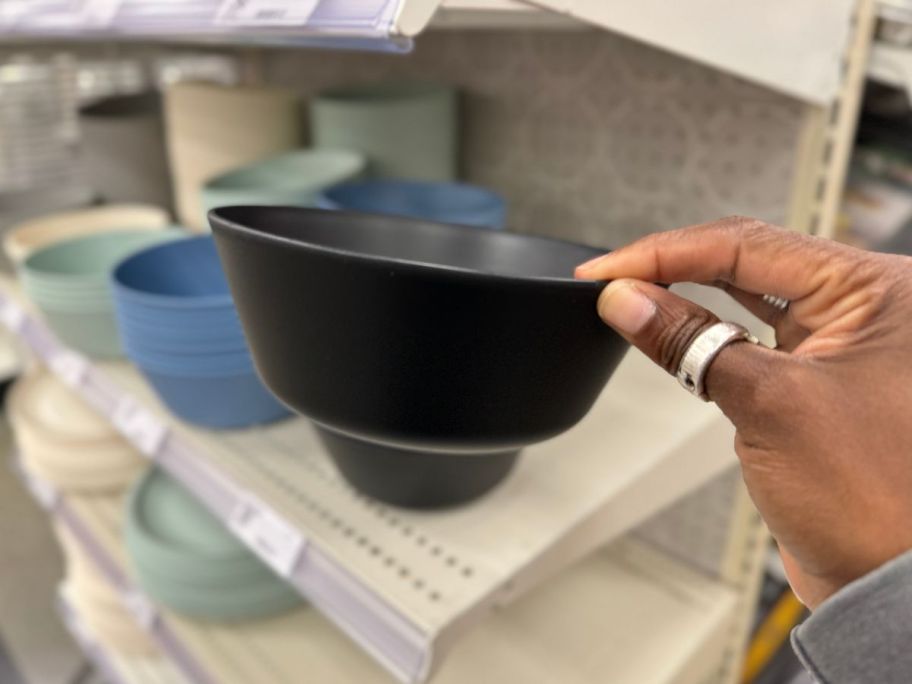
{"points": [[406, 585], [626, 599]]}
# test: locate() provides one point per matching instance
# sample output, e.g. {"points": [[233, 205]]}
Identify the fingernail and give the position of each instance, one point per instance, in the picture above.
{"points": [[589, 264], [624, 307]]}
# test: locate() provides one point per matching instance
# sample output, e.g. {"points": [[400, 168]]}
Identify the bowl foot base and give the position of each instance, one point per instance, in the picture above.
{"points": [[415, 479]]}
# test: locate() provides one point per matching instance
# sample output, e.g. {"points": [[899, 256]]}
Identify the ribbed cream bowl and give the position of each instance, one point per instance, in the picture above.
{"points": [[64, 441]]}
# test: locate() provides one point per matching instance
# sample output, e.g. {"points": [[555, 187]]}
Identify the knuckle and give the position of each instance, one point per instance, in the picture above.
{"points": [[677, 334]]}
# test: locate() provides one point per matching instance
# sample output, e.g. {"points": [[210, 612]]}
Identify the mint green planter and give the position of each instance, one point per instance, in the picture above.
{"points": [[185, 559], [293, 178], [405, 130]]}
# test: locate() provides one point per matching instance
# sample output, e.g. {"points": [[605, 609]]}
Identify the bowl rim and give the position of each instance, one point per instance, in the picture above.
{"points": [[219, 221]]}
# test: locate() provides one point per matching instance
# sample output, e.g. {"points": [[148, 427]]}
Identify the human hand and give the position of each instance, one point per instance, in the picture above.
{"points": [[824, 422]]}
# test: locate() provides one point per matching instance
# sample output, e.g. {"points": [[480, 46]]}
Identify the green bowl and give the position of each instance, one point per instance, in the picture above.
{"points": [[86, 262], [94, 333], [406, 130], [293, 178], [171, 534], [207, 602]]}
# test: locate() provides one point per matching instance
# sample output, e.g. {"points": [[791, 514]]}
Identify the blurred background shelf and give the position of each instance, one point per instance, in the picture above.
{"points": [[405, 585], [766, 43], [629, 613]]}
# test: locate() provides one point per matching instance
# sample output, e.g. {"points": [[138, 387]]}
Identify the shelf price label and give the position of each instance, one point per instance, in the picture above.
{"points": [[12, 315], [240, 13], [141, 609], [70, 367], [99, 13], [140, 426], [274, 540]]}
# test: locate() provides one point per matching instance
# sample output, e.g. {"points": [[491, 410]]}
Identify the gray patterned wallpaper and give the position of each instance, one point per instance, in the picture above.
{"points": [[591, 136]]}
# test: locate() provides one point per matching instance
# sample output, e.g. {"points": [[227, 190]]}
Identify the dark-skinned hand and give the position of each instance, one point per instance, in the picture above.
{"points": [[824, 421]]}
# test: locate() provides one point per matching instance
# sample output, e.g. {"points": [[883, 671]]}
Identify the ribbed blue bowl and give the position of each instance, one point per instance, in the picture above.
{"points": [[460, 203]]}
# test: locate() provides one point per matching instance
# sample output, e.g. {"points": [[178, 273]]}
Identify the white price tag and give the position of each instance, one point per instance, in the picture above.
{"points": [[12, 315], [44, 492], [140, 426], [99, 13], [275, 541], [70, 367], [141, 609], [265, 12]]}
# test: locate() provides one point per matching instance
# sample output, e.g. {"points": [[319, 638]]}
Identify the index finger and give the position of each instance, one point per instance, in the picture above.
{"points": [[750, 254]]}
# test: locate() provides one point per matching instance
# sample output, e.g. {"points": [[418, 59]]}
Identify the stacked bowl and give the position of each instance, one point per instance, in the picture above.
{"points": [[66, 443], [186, 560], [68, 281], [459, 203], [293, 178], [31, 235], [98, 603], [406, 130], [179, 326]]}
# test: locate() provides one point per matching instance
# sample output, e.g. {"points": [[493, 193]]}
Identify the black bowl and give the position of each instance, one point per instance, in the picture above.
{"points": [[428, 354]]}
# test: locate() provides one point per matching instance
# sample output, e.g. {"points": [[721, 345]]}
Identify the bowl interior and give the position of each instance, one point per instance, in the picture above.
{"points": [[425, 243], [187, 268], [89, 258], [450, 202], [293, 171]]}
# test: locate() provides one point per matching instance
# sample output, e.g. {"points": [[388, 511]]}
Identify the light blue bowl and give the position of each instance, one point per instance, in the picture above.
{"points": [[220, 402], [459, 203]]}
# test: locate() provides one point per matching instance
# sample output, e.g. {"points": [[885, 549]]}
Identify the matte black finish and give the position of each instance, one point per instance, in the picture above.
{"points": [[415, 479], [436, 339]]}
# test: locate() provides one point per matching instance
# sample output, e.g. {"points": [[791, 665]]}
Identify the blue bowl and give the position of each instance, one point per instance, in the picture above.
{"points": [[179, 275], [220, 402], [218, 363], [460, 203]]}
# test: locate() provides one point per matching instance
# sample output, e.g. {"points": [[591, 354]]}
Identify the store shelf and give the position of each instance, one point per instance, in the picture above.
{"points": [[891, 65], [765, 42], [116, 669], [628, 614], [405, 585]]}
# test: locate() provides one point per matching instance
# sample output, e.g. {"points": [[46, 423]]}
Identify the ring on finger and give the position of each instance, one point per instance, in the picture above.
{"points": [[702, 352], [776, 302]]}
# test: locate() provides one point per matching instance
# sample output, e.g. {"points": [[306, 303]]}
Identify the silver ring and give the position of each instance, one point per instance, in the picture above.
{"points": [[780, 303], [703, 350]]}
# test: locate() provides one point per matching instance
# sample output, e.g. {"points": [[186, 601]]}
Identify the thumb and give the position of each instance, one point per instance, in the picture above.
{"points": [[663, 326]]}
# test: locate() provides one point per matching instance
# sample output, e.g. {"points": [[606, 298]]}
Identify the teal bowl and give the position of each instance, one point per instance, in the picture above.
{"points": [[172, 538], [185, 559], [87, 261], [93, 333], [68, 282], [293, 178], [406, 130]]}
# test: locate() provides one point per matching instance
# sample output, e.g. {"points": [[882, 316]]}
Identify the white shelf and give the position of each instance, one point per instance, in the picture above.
{"points": [[629, 614], [891, 65], [405, 585], [764, 42]]}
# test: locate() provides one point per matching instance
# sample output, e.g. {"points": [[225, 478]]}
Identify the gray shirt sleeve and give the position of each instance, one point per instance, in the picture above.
{"points": [[863, 633]]}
